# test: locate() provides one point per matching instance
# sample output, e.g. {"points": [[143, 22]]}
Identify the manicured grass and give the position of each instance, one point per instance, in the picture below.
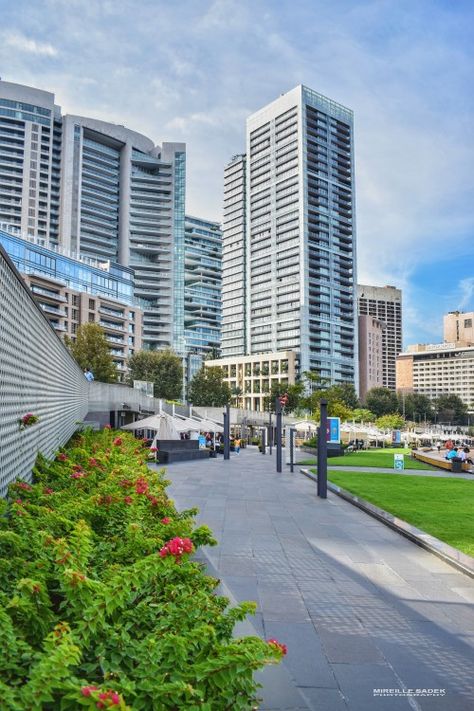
{"points": [[372, 458], [442, 507]]}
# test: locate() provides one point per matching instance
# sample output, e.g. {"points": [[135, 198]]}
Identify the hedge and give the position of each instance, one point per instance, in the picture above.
{"points": [[101, 604]]}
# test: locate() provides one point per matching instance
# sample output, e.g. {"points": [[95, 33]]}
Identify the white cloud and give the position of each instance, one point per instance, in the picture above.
{"points": [[466, 287], [21, 43]]}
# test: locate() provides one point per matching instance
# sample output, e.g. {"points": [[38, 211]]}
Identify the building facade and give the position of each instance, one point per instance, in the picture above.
{"points": [[438, 369], [252, 376], [102, 191], [298, 252], [234, 262], [202, 286], [71, 292], [385, 304], [458, 327], [370, 354]]}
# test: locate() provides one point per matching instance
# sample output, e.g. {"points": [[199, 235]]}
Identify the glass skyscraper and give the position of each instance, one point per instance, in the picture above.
{"points": [[291, 286], [98, 190]]}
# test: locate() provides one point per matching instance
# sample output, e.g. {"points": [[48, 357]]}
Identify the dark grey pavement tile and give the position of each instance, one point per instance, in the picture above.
{"points": [[279, 691], [320, 699], [306, 659], [358, 682], [356, 648]]}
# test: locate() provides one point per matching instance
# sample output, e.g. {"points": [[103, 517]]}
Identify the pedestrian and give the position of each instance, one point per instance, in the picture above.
{"points": [[438, 446], [89, 374], [467, 455], [237, 446]]}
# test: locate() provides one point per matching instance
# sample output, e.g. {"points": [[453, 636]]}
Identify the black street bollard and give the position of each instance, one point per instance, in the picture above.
{"points": [[292, 451], [323, 451], [227, 432], [270, 433], [278, 433], [263, 435]]}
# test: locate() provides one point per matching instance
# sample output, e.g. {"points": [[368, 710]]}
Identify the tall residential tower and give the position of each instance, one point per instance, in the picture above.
{"points": [[98, 190], [385, 304], [289, 237]]}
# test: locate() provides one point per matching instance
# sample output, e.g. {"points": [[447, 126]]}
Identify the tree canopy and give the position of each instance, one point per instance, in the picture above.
{"points": [[91, 350], [451, 409], [162, 368], [207, 388], [294, 393], [381, 401]]}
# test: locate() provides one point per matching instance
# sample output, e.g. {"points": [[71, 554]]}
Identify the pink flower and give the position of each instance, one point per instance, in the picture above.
{"points": [[19, 502], [177, 547], [128, 500], [47, 490], [115, 698], [278, 645], [62, 457], [166, 520], [77, 475], [125, 483], [153, 449], [87, 690], [23, 485], [107, 427], [117, 441], [93, 462]]}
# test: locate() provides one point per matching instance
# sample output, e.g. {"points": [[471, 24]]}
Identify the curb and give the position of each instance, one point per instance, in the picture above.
{"points": [[452, 556]]}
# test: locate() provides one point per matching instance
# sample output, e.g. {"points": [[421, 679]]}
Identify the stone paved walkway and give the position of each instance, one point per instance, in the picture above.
{"points": [[359, 606]]}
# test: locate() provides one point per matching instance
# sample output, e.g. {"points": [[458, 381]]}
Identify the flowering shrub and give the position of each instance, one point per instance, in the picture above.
{"points": [[28, 420], [94, 611]]}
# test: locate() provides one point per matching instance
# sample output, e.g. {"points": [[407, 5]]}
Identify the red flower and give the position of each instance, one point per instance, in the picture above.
{"points": [[141, 486], [177, 547], [128, 500], [87, 690], [153, 449], [19, 502], [77, 475], [166, 520], [23, 485], [77, 467], [93, 462], [125, 483], [107, 427], [47, 490], [278, 645], [62, 457], [117, 441], [115, 698]]}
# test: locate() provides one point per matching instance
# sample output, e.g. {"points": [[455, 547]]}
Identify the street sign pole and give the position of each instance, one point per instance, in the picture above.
{"points": [[278, 434], [292, 441], [227, 432], [323, 451]]}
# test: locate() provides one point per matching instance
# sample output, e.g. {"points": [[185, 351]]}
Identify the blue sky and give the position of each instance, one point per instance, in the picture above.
{"points": [[193, 70]]}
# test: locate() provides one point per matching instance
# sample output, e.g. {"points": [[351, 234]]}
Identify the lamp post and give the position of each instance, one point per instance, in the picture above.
{"points": [[323, 451], [227, 432]]}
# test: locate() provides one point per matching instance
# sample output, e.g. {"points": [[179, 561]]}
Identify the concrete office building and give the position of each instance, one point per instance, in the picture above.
{"points": [[254, 375], [385, 304], [72, 292], [370, 354], [202, 288], [459, 328], [98, 190], [437, 369], [288, 281]]}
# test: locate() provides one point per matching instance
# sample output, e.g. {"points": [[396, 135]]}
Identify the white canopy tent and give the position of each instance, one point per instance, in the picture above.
{"points": [[165, 426], [305, 426]]}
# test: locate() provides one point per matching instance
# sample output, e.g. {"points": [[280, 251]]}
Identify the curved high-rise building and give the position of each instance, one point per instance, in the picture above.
{"points": [[98, 190]]}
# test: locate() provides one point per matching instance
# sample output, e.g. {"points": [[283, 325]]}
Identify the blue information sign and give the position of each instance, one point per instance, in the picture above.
{"points": [[333, 433]]}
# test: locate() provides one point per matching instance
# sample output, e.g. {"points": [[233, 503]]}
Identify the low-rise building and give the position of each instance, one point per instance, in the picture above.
{"points": [[73, 292], [438, 369], [252, 376], [459, 328]]}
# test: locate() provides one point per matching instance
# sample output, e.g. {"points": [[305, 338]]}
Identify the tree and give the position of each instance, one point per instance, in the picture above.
{"points": [[162, 368], [415, 406], [392, 421], [381, 401], [207, 388], [451, 408], [294, 393], [360, 414], [91, 350], [237, 393], [345, 393]]}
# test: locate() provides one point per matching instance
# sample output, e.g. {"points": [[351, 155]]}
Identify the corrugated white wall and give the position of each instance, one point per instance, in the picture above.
{"points": [[38, 375]]}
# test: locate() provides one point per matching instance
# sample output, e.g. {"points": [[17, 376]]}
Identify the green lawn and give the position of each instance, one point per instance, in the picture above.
{"points": [[377, 458], [442, 507]]}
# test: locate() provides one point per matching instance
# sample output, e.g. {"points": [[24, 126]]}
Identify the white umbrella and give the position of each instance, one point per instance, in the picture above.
{"points": [[165, 426], [305, 426]]}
